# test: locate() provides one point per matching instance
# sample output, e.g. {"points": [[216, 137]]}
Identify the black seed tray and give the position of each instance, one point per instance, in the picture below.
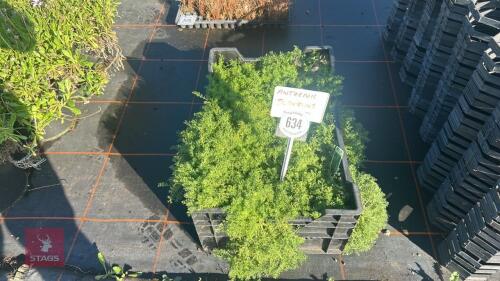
{"points": [[407, 29], [472, 247], [395, 19], [452, 16], [415, 56], [475, 167], [466, 55]]}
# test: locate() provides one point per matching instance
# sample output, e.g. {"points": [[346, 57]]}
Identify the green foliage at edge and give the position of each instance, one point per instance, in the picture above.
{"points": [[374, 216], [51, 56]]}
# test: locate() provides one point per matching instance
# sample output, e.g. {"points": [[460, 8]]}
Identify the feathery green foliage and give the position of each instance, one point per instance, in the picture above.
{"points": [[51, 56], [374, 216], [229, 158]]}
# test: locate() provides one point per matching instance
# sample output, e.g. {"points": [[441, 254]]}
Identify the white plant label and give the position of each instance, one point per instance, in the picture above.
{"points": [[293, 125], [311, 104], [296, 108], [186, 19]]}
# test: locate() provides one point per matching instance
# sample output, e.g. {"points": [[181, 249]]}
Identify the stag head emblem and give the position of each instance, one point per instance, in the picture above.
{"points": [[46, 243]]}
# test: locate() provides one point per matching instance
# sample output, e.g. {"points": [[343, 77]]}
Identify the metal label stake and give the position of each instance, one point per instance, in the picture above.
{"points": [[288, 153], [292, 125]]}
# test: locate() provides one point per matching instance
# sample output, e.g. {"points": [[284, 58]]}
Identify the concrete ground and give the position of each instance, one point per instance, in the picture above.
{"points": [[100, 183]]}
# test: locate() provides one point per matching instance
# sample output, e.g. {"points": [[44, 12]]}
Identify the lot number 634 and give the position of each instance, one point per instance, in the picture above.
{"points": [[293, 125]]}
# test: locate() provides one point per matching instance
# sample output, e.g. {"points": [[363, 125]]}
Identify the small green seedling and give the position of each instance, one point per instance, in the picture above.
{"points": [[114, 271], [455, 276]]}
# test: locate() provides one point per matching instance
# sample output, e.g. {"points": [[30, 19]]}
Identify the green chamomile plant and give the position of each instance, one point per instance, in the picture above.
{"points": [[54, 54], [230, 158]]}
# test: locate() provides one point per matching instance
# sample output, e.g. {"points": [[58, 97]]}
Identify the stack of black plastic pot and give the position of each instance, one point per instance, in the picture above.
{"points": [[475, 173], [449, 22], [414, 58], [463, 167], [483, 22], [477, 104], [472, 248], [451, 51], [406, 30]]}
